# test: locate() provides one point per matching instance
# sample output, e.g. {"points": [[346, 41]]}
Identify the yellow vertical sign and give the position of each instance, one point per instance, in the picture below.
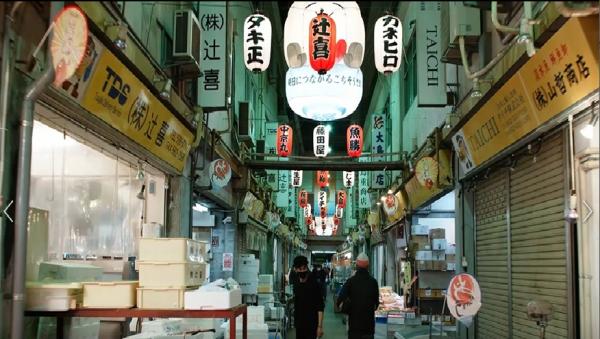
{"points": [[121, 100]]}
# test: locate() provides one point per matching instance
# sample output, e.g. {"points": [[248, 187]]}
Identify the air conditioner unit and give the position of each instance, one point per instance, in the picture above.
{"points": [[459, 20], [186, 42], [245, 130]]}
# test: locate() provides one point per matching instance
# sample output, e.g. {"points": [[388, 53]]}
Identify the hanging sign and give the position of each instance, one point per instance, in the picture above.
{"points": [[68, 43], [307, 210], [322, 199], [303, 198], [320, 141], [464, 297], [341, 199], [323, 178], [431, 79], [296, 178], [285, 136], [388, 44], [364, 200], [284, 188], [390, 204], [426, 171], [339, 212], [257, 42], [323, 47], [348, 179], [213, 53], [220, 172], [378, 147], [562, 72], [354, 141], [418, 194], [227, 262]]}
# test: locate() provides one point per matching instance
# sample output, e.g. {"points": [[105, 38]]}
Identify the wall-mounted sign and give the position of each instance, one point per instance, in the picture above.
{"points": [[354, 141], [562, 72], [378, 147], [348, 178], [68, 43], [257, 42], [426, 172], [464, 296], [220, 172], [431, 79], [106, 88], [364, 201], [228, 262], [213, 52], [387, 37], [296, 178], [320, 141], [419, 194], [284, 187]]}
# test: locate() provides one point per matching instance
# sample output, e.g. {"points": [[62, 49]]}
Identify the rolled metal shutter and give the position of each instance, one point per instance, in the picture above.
{"points": [[491, 249], [538, 238]]}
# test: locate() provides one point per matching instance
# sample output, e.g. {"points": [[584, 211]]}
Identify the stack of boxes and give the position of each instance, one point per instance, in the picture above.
{"points": [[248, 267], [257, 328], [429, 247], [437, 238], [168, 267]]}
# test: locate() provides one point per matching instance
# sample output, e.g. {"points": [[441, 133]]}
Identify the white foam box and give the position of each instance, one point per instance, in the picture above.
{"points": [[255, 331], [212, 300], [109, 294], [162, 326], [419, 230], [264, 288], [249, 287], [69, 272], [52, 296], [450, 266], [266, 299], [424, 255], [451, 249], [171, 249], [249, 265], [161, 298], [438, 255], [247, 277], [171, 274], [152, 230], [266, 279], [246, 256], [439, 244], [276, 313]]}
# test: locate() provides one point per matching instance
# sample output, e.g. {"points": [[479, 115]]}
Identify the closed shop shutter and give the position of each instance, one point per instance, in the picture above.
{"points": [[492, 253], [538, 238]]}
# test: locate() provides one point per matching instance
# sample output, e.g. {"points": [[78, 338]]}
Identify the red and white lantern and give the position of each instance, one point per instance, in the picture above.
{"points": [[354, 141], [348, 179], [341, 199], [324, 50], [323, 178], [285, 136], [303, 198]]}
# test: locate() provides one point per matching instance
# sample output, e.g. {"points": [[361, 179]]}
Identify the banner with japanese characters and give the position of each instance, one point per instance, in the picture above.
{"points": [[213, 60], [378, 147], [562, 72], [364, 201], [284, 187]]}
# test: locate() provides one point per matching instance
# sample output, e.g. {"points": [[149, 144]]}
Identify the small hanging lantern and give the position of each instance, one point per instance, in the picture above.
{"points": [[348, 179], [257, 42], [284, 140], [341, 199], [322, 199], [323, 178], [308, 220], [354, 141], [323, 212], [339, 212], [296, 178], [388, 44], [322, 43], [320, 141], [303, 199], [336, 223]]}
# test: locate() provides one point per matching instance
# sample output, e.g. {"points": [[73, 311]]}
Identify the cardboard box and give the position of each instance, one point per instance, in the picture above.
{"points": [[450, 257], [424, 255], [424, 265], [421, 241], [438, 265], [439, 244], [437, 233], [438, 255], [419, 230]]}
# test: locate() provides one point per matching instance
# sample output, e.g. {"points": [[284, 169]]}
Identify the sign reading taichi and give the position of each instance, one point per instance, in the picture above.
{"points": [[120, 99], [562, 72]]}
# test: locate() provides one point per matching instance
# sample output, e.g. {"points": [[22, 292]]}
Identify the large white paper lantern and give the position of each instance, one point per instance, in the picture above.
{"points": [[257, 42], [321, 141], [348, 178], [349, 27], [296, 178], [326, 97], [388, 44]]}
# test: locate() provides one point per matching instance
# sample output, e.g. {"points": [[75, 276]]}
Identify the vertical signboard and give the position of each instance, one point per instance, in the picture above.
{"points": [[284, 187], [430, 69], [364, 200], [213, 45], [378, 147], [271, 148]]}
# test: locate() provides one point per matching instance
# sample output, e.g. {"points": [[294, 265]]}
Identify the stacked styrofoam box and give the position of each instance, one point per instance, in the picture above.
{"points": [[168, 266], [266, 299], [257, 329], [248, 267], [265, 283]]}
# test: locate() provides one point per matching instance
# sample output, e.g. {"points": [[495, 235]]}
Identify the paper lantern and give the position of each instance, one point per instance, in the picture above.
{"points": [[322, 44], [348, 178], [322, 199], [336, 222], [339, 212], [323, 212], [285, 136], [341, 199], [323, 178], [388, 44], [303, 198], [257, 42], [321, 141], [296, 178], [354, 141], [307, 210], [308, 220]]}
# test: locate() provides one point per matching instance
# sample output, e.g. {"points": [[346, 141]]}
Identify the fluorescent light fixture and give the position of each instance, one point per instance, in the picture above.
{"points": [[200, 208]]}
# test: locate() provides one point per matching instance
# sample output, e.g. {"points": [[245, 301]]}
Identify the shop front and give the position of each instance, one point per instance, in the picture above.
{"points": [[520, 196]]}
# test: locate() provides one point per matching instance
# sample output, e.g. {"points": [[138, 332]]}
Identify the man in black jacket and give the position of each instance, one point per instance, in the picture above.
{"points": [[308, 302], [362, 293]]}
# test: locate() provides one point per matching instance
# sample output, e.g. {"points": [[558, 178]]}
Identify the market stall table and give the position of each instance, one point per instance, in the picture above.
{"points": [[231, 314]]}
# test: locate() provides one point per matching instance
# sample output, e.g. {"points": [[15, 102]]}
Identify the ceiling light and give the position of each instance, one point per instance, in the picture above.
{"points": [[121, 40], [165, 93], [140, 195], [140, 173], [199, 208], [475, 91], [572, 214]]}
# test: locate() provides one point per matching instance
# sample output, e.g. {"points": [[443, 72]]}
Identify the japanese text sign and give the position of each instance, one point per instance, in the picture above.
{"points": [[348, 178], [213, 44], [296, 178], [320, 141], [388, 44], [364, 201], [257, 42], [378, 147]]}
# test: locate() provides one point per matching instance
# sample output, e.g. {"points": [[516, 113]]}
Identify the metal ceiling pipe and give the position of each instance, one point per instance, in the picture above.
{"points": [[32, 93], [317, 165]]}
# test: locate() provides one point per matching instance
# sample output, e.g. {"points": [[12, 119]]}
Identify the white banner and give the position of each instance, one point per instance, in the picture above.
{"points": [[364, 200], [284, 187], [213, 52], [430, 68]]}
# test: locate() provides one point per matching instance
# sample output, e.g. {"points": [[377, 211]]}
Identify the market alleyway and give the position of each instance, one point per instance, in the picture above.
{"points": [[333, 325]]}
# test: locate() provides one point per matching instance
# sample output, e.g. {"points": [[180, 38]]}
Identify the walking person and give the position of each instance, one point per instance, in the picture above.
{"points": [[359, 298], [308, 301]]}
